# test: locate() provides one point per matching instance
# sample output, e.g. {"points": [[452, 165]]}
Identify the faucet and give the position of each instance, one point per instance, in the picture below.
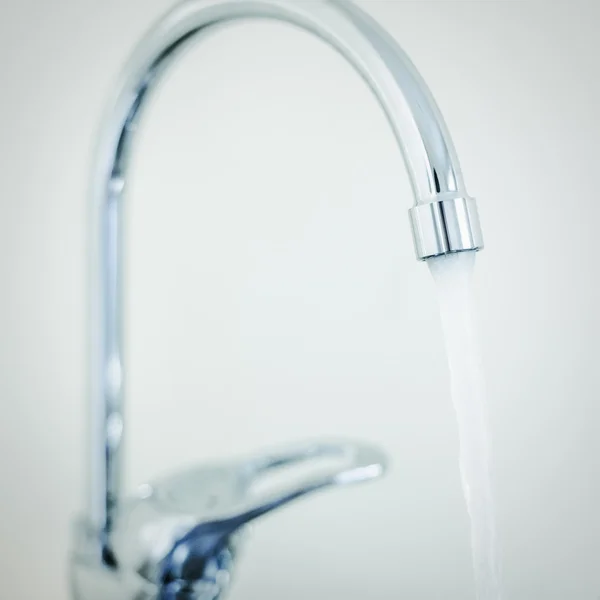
{"points": [[178, 538]]}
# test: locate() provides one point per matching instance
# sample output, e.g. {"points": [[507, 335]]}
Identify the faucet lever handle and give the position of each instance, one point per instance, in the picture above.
{"points": [[182, 533], [325, 464]]}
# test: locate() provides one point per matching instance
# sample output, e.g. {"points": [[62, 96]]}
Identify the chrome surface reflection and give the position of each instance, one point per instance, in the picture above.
{"points": [[178, 539]]}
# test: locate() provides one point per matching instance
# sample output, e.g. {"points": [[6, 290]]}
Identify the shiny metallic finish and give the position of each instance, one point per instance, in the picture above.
{"points": [[444, 220], [445, 226], [412, 113], [178, 538]]}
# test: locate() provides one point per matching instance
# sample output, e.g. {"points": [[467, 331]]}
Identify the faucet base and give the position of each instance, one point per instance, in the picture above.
{"points": [[92, 579]]}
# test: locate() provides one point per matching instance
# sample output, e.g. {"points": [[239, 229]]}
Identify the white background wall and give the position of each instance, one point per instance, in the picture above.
{"points": [[273, 294]]}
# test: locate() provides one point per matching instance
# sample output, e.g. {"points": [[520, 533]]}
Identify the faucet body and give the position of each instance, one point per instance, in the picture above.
{"points": [[177, 538]]}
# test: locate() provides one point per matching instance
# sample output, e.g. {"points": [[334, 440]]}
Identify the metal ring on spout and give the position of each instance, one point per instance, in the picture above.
{"points": [[445, 227]]}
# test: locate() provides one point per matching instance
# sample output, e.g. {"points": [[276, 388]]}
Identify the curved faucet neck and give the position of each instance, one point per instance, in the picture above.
{"points": [[444, 218]]}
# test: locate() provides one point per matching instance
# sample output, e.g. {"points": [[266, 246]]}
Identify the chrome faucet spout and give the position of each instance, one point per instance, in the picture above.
{"points": [[444, 218]]}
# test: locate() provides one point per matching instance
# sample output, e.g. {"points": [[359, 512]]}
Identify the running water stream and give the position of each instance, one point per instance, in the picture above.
{"points": [[453, 277]]}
